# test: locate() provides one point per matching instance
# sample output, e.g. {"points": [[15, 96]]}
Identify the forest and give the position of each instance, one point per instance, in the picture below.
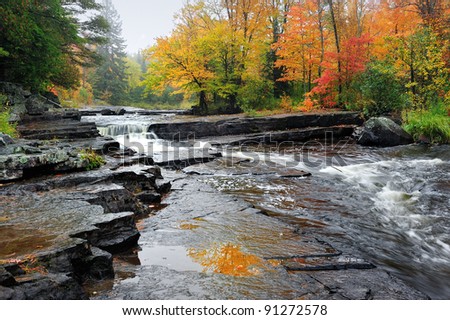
{"points": [[227, 56]]}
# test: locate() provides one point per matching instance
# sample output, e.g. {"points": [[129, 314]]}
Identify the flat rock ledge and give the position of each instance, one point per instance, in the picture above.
{"points": [[58, 232], [22, 158], [306, 263], [210, 127]]}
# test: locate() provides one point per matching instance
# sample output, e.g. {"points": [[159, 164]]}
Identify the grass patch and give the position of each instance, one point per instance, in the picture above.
{"points": [[432, 125], [94, 160], [6, 126]]}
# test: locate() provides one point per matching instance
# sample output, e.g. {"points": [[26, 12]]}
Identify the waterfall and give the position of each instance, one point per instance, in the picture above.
{"points": [[122, 129]]}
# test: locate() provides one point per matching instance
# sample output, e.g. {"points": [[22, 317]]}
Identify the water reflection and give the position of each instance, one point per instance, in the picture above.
{"points": [[228, 259]]}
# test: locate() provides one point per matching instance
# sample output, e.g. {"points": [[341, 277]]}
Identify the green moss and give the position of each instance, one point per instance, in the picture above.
{"points": [[93, 159]]}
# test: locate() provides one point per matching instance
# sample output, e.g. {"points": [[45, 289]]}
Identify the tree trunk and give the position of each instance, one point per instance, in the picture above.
{"points": [[338, 48], [203, 106]]}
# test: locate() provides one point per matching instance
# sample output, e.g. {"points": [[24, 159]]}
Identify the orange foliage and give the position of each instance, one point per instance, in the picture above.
{"points": [[228, 259]]}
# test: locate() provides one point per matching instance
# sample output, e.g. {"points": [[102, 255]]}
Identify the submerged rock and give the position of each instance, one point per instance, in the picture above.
{"points": [[383, 132]]}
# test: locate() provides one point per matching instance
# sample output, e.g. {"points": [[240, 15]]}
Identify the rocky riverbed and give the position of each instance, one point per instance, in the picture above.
{"points": [[130, 231]]}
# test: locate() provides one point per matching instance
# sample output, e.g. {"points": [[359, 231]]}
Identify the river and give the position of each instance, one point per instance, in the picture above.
{"points": [[392, 203]]}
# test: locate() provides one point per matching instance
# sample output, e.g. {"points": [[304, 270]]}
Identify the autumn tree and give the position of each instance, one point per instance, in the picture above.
{"points": [[182, 60], [298, 50]]}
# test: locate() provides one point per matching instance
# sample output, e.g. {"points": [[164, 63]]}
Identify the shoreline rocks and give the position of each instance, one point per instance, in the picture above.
{"points": [[383, 132]]}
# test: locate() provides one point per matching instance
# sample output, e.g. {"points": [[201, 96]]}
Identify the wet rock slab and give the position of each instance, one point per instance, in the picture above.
{"points": [[244, 126], [20, 158], [68, 225], [203, 240]]}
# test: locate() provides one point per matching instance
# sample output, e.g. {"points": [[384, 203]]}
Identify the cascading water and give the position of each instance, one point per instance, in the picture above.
{"points": [[122, 129], [394, 202]]}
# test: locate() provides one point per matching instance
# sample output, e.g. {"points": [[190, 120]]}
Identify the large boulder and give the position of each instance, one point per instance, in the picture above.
{"points": [[383, 132]]}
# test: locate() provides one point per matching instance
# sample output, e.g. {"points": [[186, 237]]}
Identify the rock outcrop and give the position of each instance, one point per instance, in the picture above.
{"points": [[383, 132], [23, 158], [246, 126], [73, 224]]}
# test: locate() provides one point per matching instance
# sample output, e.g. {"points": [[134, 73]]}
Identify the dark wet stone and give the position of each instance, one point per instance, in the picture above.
{"points": [[184, 158], [147, 197], [35, 105], [14, 269], [49, 287], [326, 263], [117, 232], [383, 132], [6, 278], [245, 126], [99, 265], [155, 171], [113, 112], [163, 187]]}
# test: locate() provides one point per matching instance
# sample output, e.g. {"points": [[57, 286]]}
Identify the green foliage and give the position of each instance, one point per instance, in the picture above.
{"points": [[3, 52], [110, 78], [94, 160], [378, 91], [432, 125], [41, 43], [256, 94], [6, 126]]}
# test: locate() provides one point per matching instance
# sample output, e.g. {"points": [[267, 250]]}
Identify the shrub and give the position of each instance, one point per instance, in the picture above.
{"points": [[6, 126], [380, 92], [432, 125], [94, 160]]}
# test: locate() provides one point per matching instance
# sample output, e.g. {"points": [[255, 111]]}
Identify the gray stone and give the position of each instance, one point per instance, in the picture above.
{"points": [[6, 293], [5, 140], [35, 105], [383, 132]]}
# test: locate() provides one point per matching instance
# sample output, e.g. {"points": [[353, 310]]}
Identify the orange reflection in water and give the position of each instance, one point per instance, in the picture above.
{"points": [[228, 259]]}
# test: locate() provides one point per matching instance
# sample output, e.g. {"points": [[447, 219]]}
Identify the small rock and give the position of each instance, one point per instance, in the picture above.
{"points": [[295, 174], [163, 187], [154, 170], [148, 197], [5, 140]]}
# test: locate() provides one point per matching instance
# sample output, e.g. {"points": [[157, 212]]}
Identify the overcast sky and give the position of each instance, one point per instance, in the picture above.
{"points": [[145, 20]]}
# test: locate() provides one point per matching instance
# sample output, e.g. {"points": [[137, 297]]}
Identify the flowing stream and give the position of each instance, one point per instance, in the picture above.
{"points": [[393, 203]]}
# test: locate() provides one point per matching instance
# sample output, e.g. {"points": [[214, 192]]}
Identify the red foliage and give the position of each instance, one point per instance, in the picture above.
{"points": [[353, 59]]}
